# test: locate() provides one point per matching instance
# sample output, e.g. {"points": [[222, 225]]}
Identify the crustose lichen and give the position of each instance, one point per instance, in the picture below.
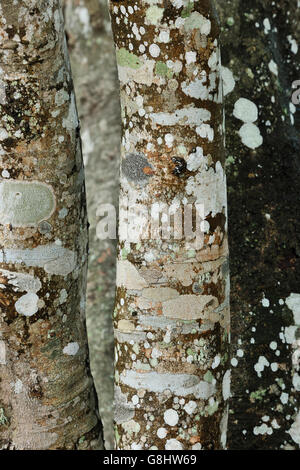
{"points": [[3, 418]]}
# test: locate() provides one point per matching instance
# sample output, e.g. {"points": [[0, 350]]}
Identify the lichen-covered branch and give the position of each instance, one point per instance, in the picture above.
{"points": [[172, 308], [47, 398]]}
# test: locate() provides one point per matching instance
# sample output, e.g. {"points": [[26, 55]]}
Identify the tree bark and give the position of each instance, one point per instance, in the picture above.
{"points": [[95, 78], [47, 397], [260, 43], [172, 308]]}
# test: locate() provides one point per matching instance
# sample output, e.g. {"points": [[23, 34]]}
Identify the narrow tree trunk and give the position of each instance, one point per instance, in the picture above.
{"points": [[172, 309], [96, 83], [261, 58], [47, 397]]}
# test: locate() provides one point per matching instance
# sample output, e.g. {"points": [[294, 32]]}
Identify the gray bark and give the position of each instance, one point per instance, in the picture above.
{"points": [[95, 79]]}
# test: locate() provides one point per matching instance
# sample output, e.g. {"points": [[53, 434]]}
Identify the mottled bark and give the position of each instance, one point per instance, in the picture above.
{"points": [[47, 397], [95, 78], [261, 57], [172, 309]]}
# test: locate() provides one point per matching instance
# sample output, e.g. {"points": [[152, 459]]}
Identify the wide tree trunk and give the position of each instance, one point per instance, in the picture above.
{"points": [[47, 397], [172, 308]]}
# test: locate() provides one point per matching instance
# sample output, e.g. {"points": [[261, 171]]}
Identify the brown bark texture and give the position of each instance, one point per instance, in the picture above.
{"points": [[47, 396], [172, 307]]}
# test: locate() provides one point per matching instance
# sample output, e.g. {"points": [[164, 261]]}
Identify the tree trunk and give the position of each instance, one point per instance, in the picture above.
{"points": [[47, 397], [95, 78], [172, 308], [261, 57]]}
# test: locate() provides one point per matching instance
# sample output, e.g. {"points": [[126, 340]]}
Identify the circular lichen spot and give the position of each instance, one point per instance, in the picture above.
{"points": [[44, 227], [136, 168], [25, 203]]}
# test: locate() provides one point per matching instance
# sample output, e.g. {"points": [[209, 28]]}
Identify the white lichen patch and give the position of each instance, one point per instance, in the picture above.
{"points": [[251, 136], [171, 417], [200, 187], [71, 349], [54, 258], [190, 407], [197, 21], [293, 303], [161, 433], [131, 426], [245, 110], [25, 204], [21, 282], [260, 365], [173, 444], [27, 304], [226, 385], [228, 80], [262, 429], [189, 116], [179, 384], [273, 67], [294, 430], [2, 352]]}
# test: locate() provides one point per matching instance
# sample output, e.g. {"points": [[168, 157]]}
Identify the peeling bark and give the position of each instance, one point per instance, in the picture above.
{"points": [[172, 308], [47, 397]]}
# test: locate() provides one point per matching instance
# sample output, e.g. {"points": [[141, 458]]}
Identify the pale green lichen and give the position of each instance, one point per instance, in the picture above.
{"points": [[127, 59], [208, 377], [124, 253], [162, 70], [258, 395], [211, 409], [25, 203], [3, 418], [186, 12], [154, 14]]}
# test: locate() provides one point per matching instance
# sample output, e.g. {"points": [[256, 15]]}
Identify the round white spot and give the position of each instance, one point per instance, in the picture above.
{"points": [[250, 135], [173, 444], [154, 50], [245, 110], [27, 304], [135, 399], [71, 349], [190, 407], [234, 362], [171, 417], [5, 174], [169, 140], [190, 57], [265, 302], [161, 433]]}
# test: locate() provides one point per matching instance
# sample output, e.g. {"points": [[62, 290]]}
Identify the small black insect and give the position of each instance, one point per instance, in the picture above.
{"points": [[180, 166]]}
